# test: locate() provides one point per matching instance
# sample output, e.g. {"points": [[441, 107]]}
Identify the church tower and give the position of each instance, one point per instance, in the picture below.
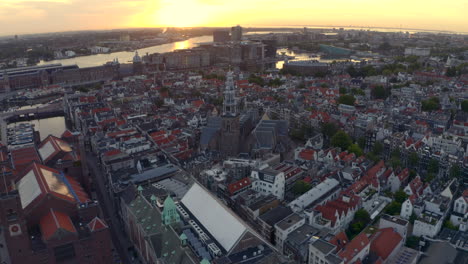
{"points": [[137, 64], [230, 129]]}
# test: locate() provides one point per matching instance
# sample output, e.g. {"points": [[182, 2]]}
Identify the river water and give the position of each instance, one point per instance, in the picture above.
{"points": [[127, 56], [47, 126]]}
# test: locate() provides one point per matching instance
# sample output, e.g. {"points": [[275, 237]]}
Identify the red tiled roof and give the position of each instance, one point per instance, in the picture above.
{"points": [[112, 152], [103, 109], [354, 247], [236, 186], [331, 209], [386, 240], [58, 144], [403, 175], [22, 157], [87, 99], [55, 221], [66, 134], [197, 103], [374, 170], [307, 154], [340, 240], [50, 182]]}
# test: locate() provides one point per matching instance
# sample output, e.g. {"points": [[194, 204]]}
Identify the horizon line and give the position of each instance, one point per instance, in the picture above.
{"points": [[346, 27]]}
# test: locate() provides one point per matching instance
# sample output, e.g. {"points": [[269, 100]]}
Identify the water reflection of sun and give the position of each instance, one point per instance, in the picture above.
{"points": [[182, 45]]}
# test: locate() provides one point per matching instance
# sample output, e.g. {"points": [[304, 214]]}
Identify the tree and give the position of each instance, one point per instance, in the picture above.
{"points": [[368, 70], [379, 92], [358, 91], [412, 175], [300, 187], [448, 224], [455, 171], [362, 215], [343, 90], [378, 148], [347, 99], [275, 82], [413, 159], [256, 79], [395, 162], [354, 148], [464, 106], [362, 142], [351, 70], [341, 139], [431, 104], [433, 166], [429, 177], [412, 242], [329, 129], [360, 220], [159, 102], [451, 72], [413, 218], [393, 208], [396, 153], [400, 196], [372, 156]]}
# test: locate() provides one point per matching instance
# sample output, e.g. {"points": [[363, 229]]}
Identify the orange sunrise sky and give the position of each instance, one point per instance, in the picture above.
{"points": [[34, 16]]}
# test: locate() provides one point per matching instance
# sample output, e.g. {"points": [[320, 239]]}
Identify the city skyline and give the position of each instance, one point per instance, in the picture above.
{"points": [[35, 16]]}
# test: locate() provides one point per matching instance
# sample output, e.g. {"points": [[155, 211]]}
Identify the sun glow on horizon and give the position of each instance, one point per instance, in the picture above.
{"points": [[181, 13], [63, 15]]}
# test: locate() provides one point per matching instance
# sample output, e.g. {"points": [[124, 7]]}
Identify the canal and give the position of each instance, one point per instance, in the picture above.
{"points": [[48, 126]]}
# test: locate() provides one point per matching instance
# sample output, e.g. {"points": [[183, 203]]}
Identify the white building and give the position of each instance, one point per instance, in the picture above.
{"points": [[70, 53], [268, 181], [395, 181], [286, 227], [459, 216], [421, 52], [448, 144], [428, 224], [322, 252], [398, 224], [407, 209], [324, 191], [97, 49]]}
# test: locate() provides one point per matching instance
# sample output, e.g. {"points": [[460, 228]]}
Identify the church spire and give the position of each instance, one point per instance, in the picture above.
{"points": [[230, 99], [169, 214]]}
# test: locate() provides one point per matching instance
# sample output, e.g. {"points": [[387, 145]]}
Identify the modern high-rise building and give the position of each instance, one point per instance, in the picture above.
{"points": [[221, 35], [236, 33]]}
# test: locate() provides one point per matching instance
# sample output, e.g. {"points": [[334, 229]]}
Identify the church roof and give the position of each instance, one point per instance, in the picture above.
{"points": [[56, 223], [41, 180]]}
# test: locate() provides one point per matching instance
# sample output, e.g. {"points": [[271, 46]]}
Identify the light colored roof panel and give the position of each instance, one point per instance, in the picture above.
{"points": [[313, 194], [28, 189], [46, 150], [64, 146], [217, 219], [55, 184]]}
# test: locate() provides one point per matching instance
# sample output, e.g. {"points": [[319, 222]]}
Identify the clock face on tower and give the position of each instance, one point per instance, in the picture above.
{"points": [[15, 230]]}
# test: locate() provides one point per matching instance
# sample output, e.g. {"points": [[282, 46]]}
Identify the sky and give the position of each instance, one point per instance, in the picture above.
{"points": [[39, 16]]}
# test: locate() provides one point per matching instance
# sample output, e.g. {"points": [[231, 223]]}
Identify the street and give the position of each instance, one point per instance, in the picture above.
{"points": [[121, 242]]}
